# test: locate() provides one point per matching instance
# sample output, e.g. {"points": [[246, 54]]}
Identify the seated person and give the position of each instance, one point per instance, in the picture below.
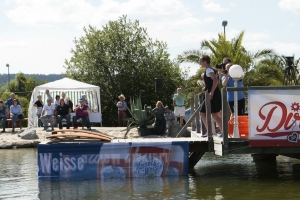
{"points": [[48, 114], [9, 102], [63, 111], [3, 115], [170, 118], [15, 113], [81, 111]]}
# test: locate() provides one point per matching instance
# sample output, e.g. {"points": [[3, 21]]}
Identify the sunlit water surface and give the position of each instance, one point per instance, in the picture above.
{"points": [[230, 177]]}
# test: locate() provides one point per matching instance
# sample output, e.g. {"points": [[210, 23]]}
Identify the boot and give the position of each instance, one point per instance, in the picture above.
{"points": [[3, 131]]}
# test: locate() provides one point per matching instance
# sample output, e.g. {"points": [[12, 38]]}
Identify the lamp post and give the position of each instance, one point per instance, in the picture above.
{"points": [[236, 72], [8, 78], [224, 24]]}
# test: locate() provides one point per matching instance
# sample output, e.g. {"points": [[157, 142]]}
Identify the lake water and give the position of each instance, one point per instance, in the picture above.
{"points": [[231, 177]]}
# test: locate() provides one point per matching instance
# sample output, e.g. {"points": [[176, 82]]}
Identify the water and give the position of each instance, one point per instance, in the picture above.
{"points": [[231, 177]]}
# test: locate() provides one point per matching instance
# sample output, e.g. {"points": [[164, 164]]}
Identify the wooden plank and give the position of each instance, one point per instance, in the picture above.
{"points": [[225, 118], [78, 135], [192, 112], [80, 131]]}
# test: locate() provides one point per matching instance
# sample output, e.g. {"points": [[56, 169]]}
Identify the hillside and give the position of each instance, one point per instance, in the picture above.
{"points": [[43, 77]]}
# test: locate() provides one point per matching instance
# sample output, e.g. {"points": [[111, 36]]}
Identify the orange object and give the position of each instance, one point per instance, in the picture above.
{"points": [[243, 126]]}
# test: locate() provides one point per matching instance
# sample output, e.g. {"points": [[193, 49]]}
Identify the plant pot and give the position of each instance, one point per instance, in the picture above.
{"points": [[145, 131]]}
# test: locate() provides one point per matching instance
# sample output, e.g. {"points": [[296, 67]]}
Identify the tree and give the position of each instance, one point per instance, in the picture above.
{"points": [[121, 58], [220, 48]]}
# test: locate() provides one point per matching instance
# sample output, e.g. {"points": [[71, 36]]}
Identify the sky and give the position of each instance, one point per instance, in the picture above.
{"points": [[36, 36]]}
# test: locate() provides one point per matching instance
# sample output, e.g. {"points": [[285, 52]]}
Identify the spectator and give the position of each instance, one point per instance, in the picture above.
{"points": [[48, 114], [48, 95], [178, 102], [63, 111], [160, 121], [15, 114], [57, 97], [81, 111], [228, 81], [39, 105], [3, 115], [122, 107], [84, 99], [70, 103], [63, 96], [170, 119], [9, 102]]}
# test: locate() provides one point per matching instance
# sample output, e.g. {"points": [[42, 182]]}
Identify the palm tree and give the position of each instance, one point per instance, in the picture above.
{"points": [[220, 48]]}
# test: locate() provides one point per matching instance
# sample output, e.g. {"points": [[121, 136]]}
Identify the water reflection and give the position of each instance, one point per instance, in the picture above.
{"points": [[137, 188], [214, 177]]}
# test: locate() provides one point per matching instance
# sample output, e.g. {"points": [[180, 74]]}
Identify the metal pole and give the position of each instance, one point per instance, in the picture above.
{"points": [[8, 74], [224, 30], [236, 121]]}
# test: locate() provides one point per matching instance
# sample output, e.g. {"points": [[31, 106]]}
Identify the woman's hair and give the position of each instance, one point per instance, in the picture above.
{"points": [[205, 58], [1, 101], [57, 96], [162, 105], [15, 100], [61, 99]]}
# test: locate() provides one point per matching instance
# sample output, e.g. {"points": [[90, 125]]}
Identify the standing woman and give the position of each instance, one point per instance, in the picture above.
{"points": [[15, 113], [160, 120], [122, 107], [39, 105], [211, 85], [227, 81]]}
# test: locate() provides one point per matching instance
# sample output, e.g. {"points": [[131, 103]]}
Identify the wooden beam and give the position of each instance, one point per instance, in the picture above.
{"points": [[197, 104], [194, 158], [225, 118], [192, 112]]}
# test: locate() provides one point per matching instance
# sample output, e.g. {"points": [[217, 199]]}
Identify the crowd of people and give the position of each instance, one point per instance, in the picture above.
{"points": [[49, 112], [61, 109], [164, 117]]}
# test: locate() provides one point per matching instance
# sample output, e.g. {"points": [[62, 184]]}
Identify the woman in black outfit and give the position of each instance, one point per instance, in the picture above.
{"points": [[211, 82]]}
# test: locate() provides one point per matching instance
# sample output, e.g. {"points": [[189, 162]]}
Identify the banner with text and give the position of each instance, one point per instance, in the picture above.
{"points": [[274, 118], [112, 160]]}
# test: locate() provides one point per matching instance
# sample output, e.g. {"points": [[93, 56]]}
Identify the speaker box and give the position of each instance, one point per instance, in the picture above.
{"points": [[158, 84]]}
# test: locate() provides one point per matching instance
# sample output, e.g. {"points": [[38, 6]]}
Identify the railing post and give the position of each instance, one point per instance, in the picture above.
{"points": [[225, 118], [208, 113], [197, 118], [192, 112], [203, 129]]}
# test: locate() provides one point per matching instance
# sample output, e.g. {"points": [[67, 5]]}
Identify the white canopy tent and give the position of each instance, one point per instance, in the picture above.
{"points": [[73, 89]]}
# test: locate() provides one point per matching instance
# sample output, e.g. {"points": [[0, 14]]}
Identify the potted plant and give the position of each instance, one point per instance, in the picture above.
{"points": [[140, 118]]}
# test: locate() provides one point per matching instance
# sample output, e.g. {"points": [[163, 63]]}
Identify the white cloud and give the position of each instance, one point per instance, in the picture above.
{"points": [[290, 5], [209, 5]]}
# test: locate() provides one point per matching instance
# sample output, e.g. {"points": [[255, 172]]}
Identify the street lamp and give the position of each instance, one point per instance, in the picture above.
{"points": [[224, 24], [236, 72], [7, 65]]}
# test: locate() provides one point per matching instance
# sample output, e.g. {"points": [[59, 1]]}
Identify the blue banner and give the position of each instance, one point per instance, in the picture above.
{"points": [[112, 160]]}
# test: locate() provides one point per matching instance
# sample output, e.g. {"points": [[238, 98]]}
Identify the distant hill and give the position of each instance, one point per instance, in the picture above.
{"points": [[43, 77]]}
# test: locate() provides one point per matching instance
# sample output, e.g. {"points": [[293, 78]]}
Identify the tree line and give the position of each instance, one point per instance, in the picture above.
{"points": [[43, 77]]}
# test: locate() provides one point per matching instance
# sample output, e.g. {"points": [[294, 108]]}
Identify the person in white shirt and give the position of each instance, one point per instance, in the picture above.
{"points": [[48, 114]]}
